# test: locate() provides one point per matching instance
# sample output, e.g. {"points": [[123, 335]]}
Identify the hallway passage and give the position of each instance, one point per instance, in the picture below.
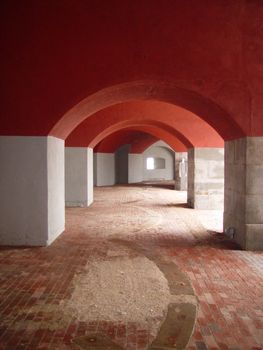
{"points": [[136, 270]]}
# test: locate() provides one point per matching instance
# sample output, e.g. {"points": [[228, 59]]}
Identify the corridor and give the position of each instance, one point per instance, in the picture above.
{"points": [[135, 270]]}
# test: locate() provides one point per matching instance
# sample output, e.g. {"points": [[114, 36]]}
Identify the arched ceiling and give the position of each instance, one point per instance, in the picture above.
{"points": [[138, 141], [189, 129], [160, 131], [150, 91]]}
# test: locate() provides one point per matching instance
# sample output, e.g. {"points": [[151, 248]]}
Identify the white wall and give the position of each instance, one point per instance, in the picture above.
{"points": [[135, 165], [105, 169], [90, 176], [131, 168], [157, 151], [56, 187], [78, 176], [31, 190], [94, 169]]}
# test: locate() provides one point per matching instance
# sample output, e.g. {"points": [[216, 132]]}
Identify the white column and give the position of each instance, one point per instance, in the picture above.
{"points": [[181, 171], [32, 211], [206, 178], [78, 176], [135, 168], [243, 212], [105, 169]]}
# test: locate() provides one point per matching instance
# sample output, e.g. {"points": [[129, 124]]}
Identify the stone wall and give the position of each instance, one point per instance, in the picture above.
{"points": [[244, 191]]}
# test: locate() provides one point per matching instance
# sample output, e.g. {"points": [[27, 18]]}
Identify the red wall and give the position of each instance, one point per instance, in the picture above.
{"points": [[56, 53]]}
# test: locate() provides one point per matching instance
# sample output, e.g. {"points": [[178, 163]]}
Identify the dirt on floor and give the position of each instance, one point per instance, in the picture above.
{"points": [[121, 289]]}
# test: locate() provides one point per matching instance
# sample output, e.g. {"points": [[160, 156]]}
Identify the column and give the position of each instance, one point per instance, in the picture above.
{"points": [[32, 209], [135, 168], [206, 178], [181, 171], [105, 169], [121, 161], [78, 176], [243, 209]]}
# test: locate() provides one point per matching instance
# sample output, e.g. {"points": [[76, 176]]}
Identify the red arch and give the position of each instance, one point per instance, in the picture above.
{"points": [[158, 130], [206, 109], [197, 131], [153, 144], [142, 145], [134, 138]]}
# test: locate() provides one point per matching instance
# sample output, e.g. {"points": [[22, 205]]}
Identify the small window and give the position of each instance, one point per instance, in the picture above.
{"points": [[155, 163], [150, 163]]}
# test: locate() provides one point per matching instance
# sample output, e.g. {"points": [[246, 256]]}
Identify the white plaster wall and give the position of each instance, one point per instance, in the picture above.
{"points": [[105, 172], [56, 187], [94, 169], [78, 176], [90, 176], [31, 167], [159, 174], [135, 166]]}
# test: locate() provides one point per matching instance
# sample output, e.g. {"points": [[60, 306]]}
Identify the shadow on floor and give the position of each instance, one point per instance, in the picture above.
{"points": [[168, 185]]}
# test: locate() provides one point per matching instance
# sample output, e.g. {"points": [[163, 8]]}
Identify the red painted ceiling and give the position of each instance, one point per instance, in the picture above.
{"points": [[176, 126], [205, 56], [138, 141]]}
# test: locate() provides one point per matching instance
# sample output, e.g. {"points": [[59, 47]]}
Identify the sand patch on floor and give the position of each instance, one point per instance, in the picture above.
{"points": [[120, 289]]}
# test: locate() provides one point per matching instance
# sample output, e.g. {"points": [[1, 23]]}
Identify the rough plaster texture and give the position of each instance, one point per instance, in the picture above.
{"points": [[181, 168], [121, 164], [206, 178], [105, 169], [78, 176], [244, 190], [32, 190], [135, 168], [157, 151]]}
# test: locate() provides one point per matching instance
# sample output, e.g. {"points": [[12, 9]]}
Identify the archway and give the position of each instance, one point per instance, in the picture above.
{"points": [[206, 109], [190, 129]]}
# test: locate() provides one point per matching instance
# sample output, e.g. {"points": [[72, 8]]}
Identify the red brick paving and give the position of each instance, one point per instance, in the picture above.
{"points": [[228, 282]]}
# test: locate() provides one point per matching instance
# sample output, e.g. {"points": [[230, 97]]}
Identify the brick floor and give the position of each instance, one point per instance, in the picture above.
{"points": [[228, 282]]}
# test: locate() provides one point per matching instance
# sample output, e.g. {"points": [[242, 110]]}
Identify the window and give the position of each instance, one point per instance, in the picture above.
{"points": [[155, 163], [150, 163]]}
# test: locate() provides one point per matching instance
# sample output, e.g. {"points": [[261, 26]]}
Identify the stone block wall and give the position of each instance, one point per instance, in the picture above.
{"points": [[244, 191]]}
